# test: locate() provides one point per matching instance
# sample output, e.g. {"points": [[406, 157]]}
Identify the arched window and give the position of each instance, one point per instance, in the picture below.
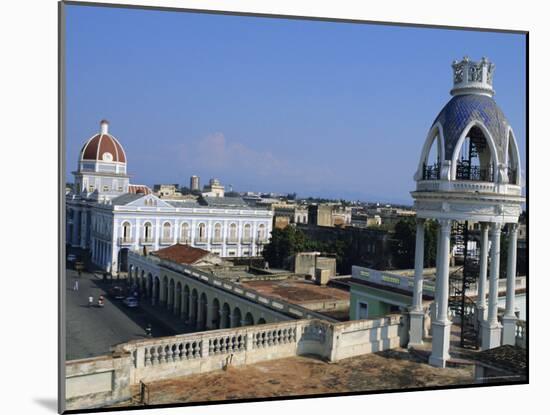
{"points": [[475, 161], [184, 233], [513, 165], [233, 232], [218, 232], [261, 232], [247, 232], [147, 231], [126, 231], [202, 232], [431, 163], [166, 230]]}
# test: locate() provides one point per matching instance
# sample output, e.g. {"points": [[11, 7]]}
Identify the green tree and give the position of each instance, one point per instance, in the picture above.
{"points": [[283, 244], [404, 243]]}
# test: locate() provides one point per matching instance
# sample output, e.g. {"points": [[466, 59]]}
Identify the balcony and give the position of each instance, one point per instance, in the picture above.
{"points": [[184, 241], [246, 240], [125, 241], [166, 241], [217, 241], [201, 241], [232, 240], [146, 241]]}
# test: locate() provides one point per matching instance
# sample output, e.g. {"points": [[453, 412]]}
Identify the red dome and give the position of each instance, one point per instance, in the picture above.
{"points": [[103, 147]]}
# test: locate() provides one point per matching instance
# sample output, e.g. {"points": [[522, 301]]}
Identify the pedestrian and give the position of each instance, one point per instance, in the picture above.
{"points": [[90, 301], [75, 285]]}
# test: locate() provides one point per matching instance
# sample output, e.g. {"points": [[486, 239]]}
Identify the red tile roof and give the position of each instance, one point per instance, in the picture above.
{"points": [[182, 254], [103, 143]]}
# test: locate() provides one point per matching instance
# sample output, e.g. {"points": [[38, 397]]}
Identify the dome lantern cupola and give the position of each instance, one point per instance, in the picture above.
{"points": [[470, 77], [468, 177]]}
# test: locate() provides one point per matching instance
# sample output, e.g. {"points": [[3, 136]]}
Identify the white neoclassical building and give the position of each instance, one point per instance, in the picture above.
{"points": [[469, 170], [109, 216]]}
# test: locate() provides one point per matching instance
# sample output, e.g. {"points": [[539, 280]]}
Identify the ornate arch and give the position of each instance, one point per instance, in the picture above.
{"points": [[490, 142], [436, 132]]}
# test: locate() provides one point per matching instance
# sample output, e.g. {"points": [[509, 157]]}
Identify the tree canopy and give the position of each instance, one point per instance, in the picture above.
{"points": [[404, 243]]}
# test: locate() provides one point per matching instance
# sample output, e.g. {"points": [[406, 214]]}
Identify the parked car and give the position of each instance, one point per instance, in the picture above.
{"points": [[131, 302], [117, 292]]}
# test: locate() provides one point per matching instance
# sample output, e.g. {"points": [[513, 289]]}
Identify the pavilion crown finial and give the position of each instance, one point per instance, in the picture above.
{"points": [[470, 77]]}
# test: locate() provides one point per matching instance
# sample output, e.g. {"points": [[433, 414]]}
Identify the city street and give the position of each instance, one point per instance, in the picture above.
{"points": [[91, 331]]}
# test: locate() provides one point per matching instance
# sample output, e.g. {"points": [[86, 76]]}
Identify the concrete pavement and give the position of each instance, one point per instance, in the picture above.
{"points": [[91, 331]]}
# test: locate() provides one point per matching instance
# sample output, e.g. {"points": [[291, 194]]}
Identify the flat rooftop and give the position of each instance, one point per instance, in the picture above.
{"points": [[392, 369], [297, 291]]}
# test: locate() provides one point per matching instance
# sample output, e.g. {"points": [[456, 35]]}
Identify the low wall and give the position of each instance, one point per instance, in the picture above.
{"points": [[327, 305], [99, 381], [186, 354], [368, 336]]}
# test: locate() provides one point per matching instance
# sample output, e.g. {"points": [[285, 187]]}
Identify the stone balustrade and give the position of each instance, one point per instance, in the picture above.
{"points": [[467, 186], [186, 354]]}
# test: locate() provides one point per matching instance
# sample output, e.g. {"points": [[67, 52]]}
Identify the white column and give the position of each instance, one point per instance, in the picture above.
{"points": [[509, 318], [441, 327], [490, 333], [482, 289], [416, 314], [114, 247]]}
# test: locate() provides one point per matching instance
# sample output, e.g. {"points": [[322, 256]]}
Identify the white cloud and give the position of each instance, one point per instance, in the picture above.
{"points": [[220, 155]]}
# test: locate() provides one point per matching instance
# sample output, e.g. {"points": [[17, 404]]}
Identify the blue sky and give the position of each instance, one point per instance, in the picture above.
{"points": [[318, 108]]}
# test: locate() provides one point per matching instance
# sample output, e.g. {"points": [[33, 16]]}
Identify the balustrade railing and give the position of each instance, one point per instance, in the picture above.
{"points": [[125, 240], [191, 346], [464, 171], [431, 172], [146, 241], [171, 352]]}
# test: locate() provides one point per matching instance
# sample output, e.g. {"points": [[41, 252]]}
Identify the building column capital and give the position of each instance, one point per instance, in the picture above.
{"points": [[445, 225], [496, 228], [420, 221], [513, 228]]}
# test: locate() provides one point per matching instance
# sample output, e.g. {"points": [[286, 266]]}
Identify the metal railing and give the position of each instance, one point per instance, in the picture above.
{"points": [[431, 172], [128, 240], [464, 171]]}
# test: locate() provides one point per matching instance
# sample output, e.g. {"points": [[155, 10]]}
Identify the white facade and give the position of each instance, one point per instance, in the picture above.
{"points": [[111, 226]]}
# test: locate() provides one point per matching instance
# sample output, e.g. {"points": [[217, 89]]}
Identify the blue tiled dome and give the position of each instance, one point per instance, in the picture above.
{"points": [[461, 110]]}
